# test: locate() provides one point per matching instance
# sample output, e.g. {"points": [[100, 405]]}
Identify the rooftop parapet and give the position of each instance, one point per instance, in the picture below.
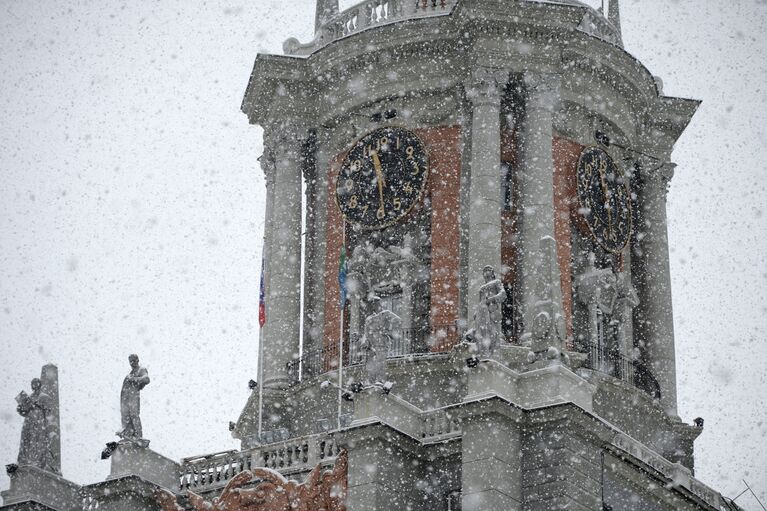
{"points": [[370, 14]]}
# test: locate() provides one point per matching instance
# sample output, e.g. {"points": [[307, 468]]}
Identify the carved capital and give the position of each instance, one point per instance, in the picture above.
{"points": [[268, 165], [658, 178], [542, 90], [486, 85], [287, 131]]}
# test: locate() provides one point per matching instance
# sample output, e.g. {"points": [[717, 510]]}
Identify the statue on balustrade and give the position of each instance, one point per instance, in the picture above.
{"points": [[488, 316], [37, 434], [130, 402], [381, 328]]}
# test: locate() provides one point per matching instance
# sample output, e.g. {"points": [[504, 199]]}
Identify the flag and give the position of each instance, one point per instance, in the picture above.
{"points": [[261, 299], [342, 276]]}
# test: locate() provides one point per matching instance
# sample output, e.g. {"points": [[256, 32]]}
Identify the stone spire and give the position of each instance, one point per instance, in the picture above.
{"points": [[325, 10], [614, 16]]}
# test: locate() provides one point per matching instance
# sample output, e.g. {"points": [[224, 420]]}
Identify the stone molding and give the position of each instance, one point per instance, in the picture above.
{"points": [[660, 176], [32, 484], [485, 86], [679, 475]]}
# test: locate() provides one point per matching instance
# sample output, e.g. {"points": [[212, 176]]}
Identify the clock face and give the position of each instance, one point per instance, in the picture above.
{"points": [[382, 178], [604, 196]]}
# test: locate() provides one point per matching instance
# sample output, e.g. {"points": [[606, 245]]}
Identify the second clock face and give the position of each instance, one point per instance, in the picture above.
{"points": [[604, 195], [382, 178]]}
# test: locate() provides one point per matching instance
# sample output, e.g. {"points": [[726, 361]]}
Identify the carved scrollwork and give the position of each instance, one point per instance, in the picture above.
{"points": [[486, 85], [542, 90]]}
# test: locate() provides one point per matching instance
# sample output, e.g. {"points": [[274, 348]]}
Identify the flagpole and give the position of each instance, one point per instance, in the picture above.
{"points": [[341, 332], [260, 370], [260, 383]]}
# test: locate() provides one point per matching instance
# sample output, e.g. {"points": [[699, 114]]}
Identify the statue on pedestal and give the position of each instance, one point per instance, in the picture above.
{"points": [[488, 316], [38, 410], [130, 401], [381, 327]]}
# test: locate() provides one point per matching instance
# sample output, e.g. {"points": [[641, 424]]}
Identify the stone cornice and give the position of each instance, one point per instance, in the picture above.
{"points": [[657, 178], [278, 88]]}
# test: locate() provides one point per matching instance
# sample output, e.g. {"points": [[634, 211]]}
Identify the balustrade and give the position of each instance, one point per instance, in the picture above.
{"points": [[623, 367], [372, 13], [410, 343], [214, 471], [438, 423]]}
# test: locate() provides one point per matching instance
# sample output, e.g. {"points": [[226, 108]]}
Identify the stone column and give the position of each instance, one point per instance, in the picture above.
{"points": [[485, 203], [280, 337], [314, 304], [536, 191], [653, 318]]}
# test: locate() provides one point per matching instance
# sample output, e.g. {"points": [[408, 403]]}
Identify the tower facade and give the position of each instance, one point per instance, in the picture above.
{"points": [[466, 277], [437, 140]]}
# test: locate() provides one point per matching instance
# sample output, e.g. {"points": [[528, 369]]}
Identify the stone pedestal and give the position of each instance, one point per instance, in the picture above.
{"points": [[132, 460], [31, 484]]}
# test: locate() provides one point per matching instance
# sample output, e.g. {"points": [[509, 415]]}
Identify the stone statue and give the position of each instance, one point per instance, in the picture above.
{"points": [[381, 328], [37, 434], [130, 400], [545, 328], [488, 317]]}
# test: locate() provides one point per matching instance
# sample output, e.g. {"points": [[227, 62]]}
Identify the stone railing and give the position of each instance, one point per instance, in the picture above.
{"points": [[438, 424], [410, 342], [678, 474], [623, 367], [373, 13], [213, 471], [369, 14]]}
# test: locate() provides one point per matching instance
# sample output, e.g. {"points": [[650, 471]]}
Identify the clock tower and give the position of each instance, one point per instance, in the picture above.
{"points": [[494, 175], [465, 287]]}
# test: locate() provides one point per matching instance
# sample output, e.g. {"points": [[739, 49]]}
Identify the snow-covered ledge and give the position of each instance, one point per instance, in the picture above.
{"points": [[366, 15], [679, 475], [546, 386], [369, 14]]}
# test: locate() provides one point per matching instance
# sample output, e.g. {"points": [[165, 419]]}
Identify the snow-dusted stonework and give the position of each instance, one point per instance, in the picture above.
{"points": [[571, 404]]}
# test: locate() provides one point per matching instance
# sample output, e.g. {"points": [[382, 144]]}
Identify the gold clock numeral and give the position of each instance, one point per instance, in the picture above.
{"points": [[364, 209], [381, 213], [408, 188], [397, 203], [353, 202], [349, 184], [410, 150], [355, 166], [416, 168]]}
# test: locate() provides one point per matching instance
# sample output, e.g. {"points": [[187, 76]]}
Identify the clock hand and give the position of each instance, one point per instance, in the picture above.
{"points": [[379, 175], [608, 206]]}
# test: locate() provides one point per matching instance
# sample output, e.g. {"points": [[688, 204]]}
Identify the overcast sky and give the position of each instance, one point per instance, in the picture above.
{"points": [[131, 216]]}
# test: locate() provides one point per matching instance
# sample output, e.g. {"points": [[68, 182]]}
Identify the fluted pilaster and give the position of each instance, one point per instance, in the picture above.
{"points": [[536, 192], [485, 205], [654, 320], [280, 337]]}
